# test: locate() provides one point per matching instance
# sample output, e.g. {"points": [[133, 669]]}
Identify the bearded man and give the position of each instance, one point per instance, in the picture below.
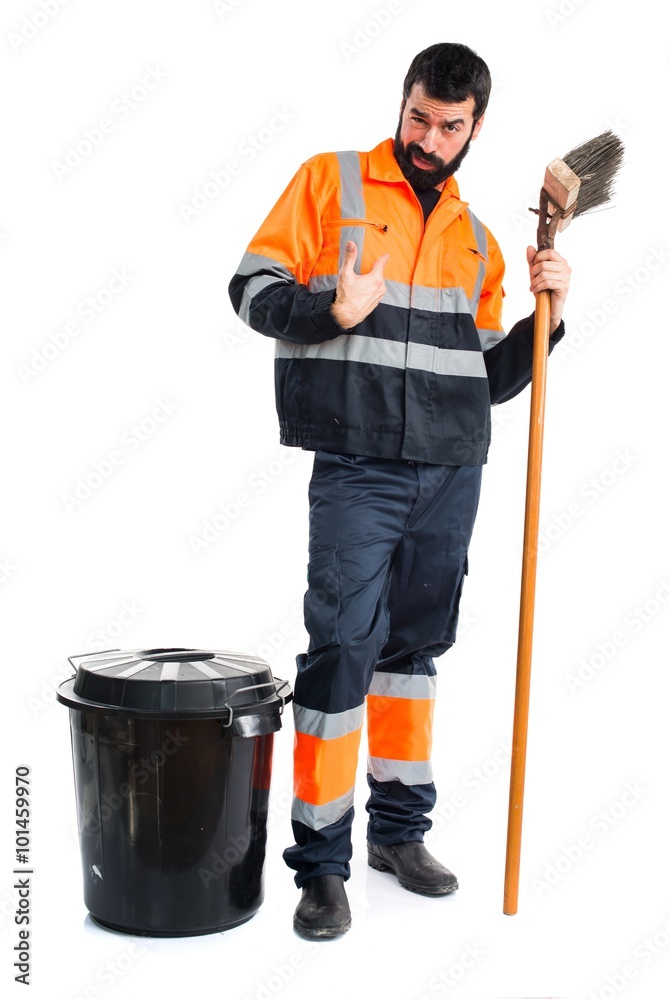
{"points": [[384, 293]]}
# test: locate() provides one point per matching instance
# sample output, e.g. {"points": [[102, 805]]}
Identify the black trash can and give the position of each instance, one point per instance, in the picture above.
{"points": [[172, 752]]}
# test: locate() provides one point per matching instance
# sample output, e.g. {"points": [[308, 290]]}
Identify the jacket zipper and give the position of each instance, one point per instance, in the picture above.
{"points": [[358, 222]]}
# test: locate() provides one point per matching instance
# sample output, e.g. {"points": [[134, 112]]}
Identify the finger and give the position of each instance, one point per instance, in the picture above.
{"points": [[549, 284], [381, 263], [549, 267], [350, 254], [547, 255], [530, 254]]}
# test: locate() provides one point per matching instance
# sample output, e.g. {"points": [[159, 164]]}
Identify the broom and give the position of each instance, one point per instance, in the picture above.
{"points": [[580, 182]]}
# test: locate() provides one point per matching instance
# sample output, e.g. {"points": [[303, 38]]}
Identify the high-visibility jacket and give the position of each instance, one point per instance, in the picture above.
{"points": [[415, 380]]}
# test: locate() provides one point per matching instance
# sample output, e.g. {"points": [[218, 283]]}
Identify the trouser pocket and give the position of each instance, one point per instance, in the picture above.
{"points": [[322, 600]]}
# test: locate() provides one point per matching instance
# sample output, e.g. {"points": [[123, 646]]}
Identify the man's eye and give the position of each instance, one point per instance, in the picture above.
{"points": [[419, 121]]}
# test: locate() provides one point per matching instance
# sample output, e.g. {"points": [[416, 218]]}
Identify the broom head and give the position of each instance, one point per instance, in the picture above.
{"points": [[583, 180]]}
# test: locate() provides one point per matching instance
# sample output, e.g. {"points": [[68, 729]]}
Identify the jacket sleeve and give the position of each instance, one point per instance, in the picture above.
{"points": [[269, 291], [508, 357]]}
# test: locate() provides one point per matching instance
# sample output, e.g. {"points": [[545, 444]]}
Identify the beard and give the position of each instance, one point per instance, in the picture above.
{"points": [[425, 178]]}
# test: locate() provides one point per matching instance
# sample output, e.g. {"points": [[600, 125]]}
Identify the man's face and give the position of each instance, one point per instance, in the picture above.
{"points": [[432, 137]]}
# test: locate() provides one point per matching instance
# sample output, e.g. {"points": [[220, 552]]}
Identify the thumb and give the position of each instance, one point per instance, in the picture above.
{"points": [[350, 254], [530, 254]]}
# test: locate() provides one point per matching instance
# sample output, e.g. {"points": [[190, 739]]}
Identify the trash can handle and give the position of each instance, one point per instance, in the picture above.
{"points": [[277, 684], [284, 698], [79, 656]]}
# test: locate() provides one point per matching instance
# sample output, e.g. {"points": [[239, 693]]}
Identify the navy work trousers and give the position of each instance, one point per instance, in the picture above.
{"points": [[388, 543]]}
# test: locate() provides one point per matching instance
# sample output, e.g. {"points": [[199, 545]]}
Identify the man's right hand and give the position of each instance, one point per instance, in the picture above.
{"points": [[357, 294]]}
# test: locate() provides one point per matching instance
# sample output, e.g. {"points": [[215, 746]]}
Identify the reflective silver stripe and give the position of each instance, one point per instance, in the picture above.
{"points": [[322, 283], [352, 204], [252, 262], [396, 294], [446, 361], [482, 246], [349, 347], [480, 235], [389, 354], [390, 685], [325, 725], [489, 338], [439, 300], [407, 772], [252, 288], [316, 817]]}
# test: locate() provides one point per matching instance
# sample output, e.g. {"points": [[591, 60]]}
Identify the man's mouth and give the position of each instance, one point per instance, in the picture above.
{"points": [[421, 162]]}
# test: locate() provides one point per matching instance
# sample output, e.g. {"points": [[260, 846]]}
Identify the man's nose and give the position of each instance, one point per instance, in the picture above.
{"points": [[429, 141]]}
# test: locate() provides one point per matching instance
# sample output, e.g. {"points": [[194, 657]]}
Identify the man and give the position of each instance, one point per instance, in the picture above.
{"points": [[384, 293]]}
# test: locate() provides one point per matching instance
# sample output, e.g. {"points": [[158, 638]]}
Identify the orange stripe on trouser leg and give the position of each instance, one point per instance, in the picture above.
{"points": [[400, 728], [324, 769]]}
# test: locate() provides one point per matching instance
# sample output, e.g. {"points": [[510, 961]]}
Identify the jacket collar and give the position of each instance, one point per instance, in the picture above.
{"points": [[383, 166]]}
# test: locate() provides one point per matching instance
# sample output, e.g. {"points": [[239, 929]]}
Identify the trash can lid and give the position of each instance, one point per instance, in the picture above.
{"points": [[188, 683]]}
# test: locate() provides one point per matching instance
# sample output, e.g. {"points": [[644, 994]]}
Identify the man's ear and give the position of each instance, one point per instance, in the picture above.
{"points": [[402, 106], [477, 127]]}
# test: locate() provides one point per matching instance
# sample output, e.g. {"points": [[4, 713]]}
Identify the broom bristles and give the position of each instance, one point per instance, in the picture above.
{"points": [[596, 163]]}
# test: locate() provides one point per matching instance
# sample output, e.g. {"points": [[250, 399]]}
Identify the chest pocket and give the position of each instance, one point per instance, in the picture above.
{"points": [[369, 238], [464, 269]]}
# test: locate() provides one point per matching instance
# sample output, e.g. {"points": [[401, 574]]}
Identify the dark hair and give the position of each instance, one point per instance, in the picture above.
{"points": [[451, 73]]}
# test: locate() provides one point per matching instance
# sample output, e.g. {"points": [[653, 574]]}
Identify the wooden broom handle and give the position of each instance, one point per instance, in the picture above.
{"points": [[527, 602]]}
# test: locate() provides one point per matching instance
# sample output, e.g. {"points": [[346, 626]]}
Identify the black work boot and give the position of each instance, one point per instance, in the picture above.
{"points": [[413, 866], [323, 910]]}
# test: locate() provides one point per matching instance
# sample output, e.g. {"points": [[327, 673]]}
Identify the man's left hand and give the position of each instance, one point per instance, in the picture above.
{"points": [[549, 271]]}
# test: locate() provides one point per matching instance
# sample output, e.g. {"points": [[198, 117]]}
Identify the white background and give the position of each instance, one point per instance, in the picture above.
{"points": [[117, 567]]}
